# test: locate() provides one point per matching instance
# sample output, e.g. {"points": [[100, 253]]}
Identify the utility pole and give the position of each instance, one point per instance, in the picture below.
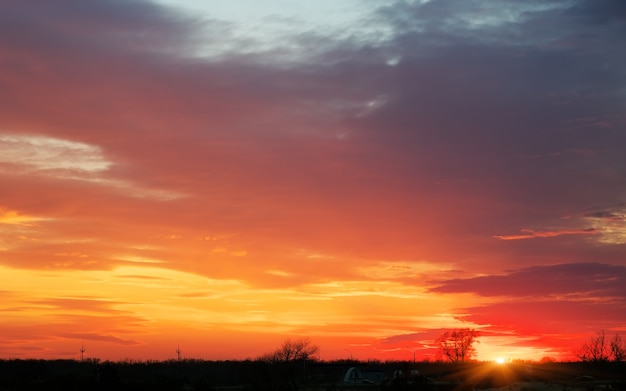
{"points": [[82, 353], [178, 353]]}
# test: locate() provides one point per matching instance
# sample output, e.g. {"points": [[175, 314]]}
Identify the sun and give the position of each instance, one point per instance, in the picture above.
{"points": [[500, 360]]}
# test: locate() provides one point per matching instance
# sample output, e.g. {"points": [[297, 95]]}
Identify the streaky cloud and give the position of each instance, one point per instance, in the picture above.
{"points": [[532, 234], [591, 281]]}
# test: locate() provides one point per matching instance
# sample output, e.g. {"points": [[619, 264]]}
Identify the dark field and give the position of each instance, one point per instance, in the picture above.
{"points": [[307, 376]]}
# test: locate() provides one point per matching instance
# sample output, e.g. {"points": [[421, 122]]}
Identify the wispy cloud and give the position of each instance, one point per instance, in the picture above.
{"points": [[49, 154], [612, 222], [532, 234], [100, 338]]}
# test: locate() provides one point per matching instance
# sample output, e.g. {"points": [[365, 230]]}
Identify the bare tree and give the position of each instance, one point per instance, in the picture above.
{"points": [[596, 349], [292, 350], [287, 364], [458, 345], [618, 350]]}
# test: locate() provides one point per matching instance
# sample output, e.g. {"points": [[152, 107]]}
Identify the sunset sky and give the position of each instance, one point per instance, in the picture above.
{"points": [[221, 175]]}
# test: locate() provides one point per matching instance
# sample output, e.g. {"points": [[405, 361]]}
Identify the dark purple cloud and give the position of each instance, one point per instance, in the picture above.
{"points": [[526, 128], [583, 280], [93, 27], [527, 125]]}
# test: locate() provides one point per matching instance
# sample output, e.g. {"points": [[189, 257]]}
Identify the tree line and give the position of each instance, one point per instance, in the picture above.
{"points": [[459, 346], [602, 348]]}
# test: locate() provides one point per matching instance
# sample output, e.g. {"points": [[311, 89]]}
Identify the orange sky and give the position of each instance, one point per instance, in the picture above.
{"points": [[175, 178]]}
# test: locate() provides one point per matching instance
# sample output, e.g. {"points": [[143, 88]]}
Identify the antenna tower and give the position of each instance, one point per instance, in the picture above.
{"points": [[82, 353]]}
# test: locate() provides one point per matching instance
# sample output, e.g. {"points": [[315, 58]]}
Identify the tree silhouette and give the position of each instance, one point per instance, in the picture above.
{"points": [[458, 345], [618, 350], [287, 364], [595, 350], [292, 350], [600, 349]]}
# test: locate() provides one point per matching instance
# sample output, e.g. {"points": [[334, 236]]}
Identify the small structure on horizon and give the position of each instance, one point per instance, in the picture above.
{"points": [[355, 375]]}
